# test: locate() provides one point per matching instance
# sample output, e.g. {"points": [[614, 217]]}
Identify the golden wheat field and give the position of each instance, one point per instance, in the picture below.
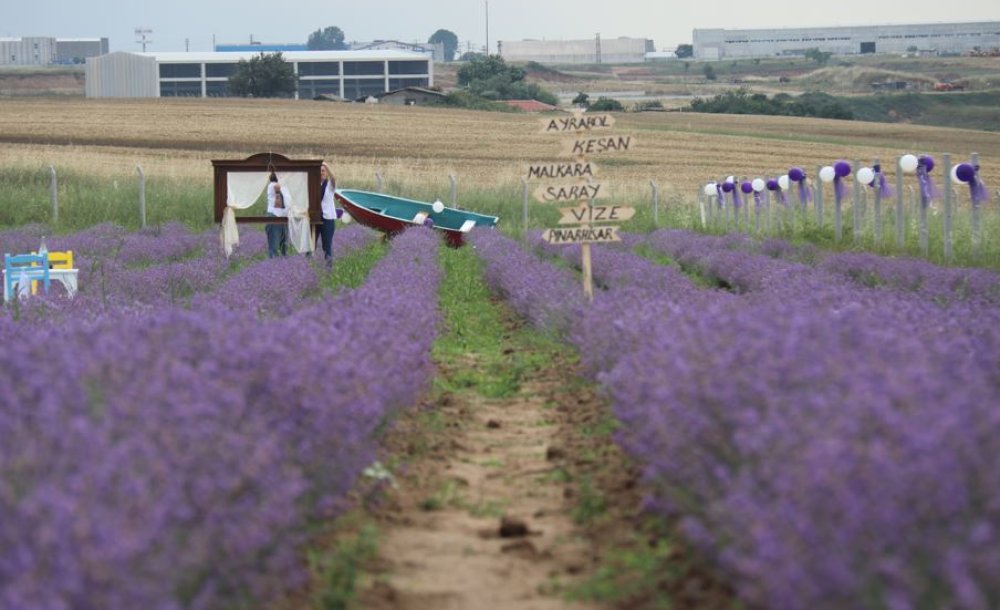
{"points": [[412, 145]]}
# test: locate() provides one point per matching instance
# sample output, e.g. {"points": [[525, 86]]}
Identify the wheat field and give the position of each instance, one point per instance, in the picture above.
{"points": [[414, 146]]}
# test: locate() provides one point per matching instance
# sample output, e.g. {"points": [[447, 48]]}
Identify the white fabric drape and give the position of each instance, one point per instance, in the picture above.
{"points": [[243, 190], [299, 233]]}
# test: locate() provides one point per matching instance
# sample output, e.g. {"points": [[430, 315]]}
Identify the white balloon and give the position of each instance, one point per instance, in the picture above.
{"points": [[731, 179], [437, 206], [346, 218], [908, 163], [827, 173], [710, 189], [954, 174], [865, 175], [783, 182], [758, 185]]}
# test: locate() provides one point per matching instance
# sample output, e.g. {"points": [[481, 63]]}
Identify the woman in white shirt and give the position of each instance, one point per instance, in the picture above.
{"points": [[277, 205], [325, 233]]}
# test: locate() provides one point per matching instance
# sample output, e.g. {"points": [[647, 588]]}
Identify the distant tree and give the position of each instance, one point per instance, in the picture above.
{"points": [[450, 41], [470, 55], [684, 50], [605, 104], [709, 72], [820, 57], [582, 100], [330, 38], [486, 67], [912, 48], [264, 75], [493, 78]]}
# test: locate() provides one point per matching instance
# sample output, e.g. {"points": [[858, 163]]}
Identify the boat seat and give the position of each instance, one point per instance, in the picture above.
{"points": [[467, 226]]}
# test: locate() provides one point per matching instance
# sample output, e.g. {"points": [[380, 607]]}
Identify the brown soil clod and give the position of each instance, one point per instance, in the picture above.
{"points": [[512, 527]]}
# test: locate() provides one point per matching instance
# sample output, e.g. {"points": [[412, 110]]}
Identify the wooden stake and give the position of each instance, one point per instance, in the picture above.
{"points": [[588, 278]]}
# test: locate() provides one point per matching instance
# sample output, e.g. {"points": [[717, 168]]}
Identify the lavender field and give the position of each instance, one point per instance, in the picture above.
{"points": [[824, 428], [826, 432], [171, 434]]}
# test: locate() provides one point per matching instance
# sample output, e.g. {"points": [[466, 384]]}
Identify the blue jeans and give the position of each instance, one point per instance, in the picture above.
{"points": [[277, 239], [325, 234]]}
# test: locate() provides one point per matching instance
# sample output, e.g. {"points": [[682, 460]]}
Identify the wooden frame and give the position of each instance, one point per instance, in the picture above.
{"points": [[266, 162]]}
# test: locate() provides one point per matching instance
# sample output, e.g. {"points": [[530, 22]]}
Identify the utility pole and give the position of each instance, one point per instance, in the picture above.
{"points": [[598, 47], [487, 28], [187, 45], [140, 37]]}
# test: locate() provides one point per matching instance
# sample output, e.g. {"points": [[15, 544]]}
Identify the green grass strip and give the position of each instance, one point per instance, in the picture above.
{"points": [[479, 348]]}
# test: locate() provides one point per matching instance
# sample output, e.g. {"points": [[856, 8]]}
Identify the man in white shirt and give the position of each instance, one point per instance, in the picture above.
{"points": [[278, 199]]}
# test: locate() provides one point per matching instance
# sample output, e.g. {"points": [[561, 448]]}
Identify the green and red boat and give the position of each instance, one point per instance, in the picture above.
{"points": [[393, 215]]}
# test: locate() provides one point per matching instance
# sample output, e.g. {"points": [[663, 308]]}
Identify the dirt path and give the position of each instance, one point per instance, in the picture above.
{"points": [[481, 517]]}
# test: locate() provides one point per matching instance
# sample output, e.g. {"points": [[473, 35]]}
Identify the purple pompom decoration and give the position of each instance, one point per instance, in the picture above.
{"points": [[772, 185], [842, 169], [746, 187], [796, 174], [340, 213], [429, 222], [965, 172], [927, 161], [727, 187]]}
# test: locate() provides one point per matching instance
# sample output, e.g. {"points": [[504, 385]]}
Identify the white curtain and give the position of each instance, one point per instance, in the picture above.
{"points": [[299, 228], [243, 190]]}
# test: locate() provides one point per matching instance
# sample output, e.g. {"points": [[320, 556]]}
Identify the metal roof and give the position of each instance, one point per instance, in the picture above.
{"points": [[233, 56]]}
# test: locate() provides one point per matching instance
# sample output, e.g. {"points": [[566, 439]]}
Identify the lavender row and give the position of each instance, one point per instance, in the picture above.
{"points": [[547, 296], [942, 284], [173, 458], [828, 445]]}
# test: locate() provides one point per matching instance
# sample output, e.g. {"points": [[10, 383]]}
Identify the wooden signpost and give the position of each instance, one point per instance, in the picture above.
{"points": [[574, 181]]}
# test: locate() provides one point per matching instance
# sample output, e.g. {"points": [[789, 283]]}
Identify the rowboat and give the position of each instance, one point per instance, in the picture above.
{"points": [[392, 215]]}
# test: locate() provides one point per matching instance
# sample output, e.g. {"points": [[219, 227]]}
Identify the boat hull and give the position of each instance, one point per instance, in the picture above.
{"points": [[393, 215]]}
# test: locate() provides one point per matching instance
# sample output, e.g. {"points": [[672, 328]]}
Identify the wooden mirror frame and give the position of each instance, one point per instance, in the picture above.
{"points": [[266, 162]]}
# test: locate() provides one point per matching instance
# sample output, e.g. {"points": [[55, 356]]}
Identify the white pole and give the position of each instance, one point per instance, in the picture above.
{"points": [[142, 196], [54, 194], [379, 183], [524, 201], [454, 190], [656, 204]]}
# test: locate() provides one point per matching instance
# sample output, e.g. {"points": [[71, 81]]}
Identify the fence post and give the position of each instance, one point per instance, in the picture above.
{"points": [[857, 212], [454, 190], [900, 229], [524, 201], [878, 207], [947, 207], [379, 183], [701, 206], [818, 197], [142, 196], [977, 231], [656, 203], [54, 194]]}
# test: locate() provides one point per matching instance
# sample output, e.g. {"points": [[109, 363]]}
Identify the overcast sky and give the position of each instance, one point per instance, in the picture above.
{"points": [[667, 22]]}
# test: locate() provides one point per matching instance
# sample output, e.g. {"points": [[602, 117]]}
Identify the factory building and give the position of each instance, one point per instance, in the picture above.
{"points": [[346, 74], [926, 39], [592, 51], [46, 50]]}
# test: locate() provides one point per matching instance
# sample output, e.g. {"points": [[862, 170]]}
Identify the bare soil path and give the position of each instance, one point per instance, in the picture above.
{"points": [[482, 520], [484, 513]]}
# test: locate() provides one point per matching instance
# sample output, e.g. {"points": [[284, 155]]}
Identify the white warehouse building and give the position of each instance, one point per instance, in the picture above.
{"points": [[931, 38], [590, 51], [347, 74]]}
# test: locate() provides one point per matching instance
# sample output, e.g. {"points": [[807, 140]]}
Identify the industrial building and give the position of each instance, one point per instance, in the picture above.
{"points": [[46, 50], [926, 39], [592, 51], [346, 74]]}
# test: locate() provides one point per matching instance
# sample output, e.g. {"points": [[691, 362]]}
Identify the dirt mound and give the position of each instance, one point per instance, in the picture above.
{"points": [[858, 78]]}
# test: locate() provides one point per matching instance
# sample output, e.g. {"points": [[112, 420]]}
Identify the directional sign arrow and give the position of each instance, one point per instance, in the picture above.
{"points": [[581, 235], [560, 193], [562, 170], [583, 122], [597, 213], [580, 147]]}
